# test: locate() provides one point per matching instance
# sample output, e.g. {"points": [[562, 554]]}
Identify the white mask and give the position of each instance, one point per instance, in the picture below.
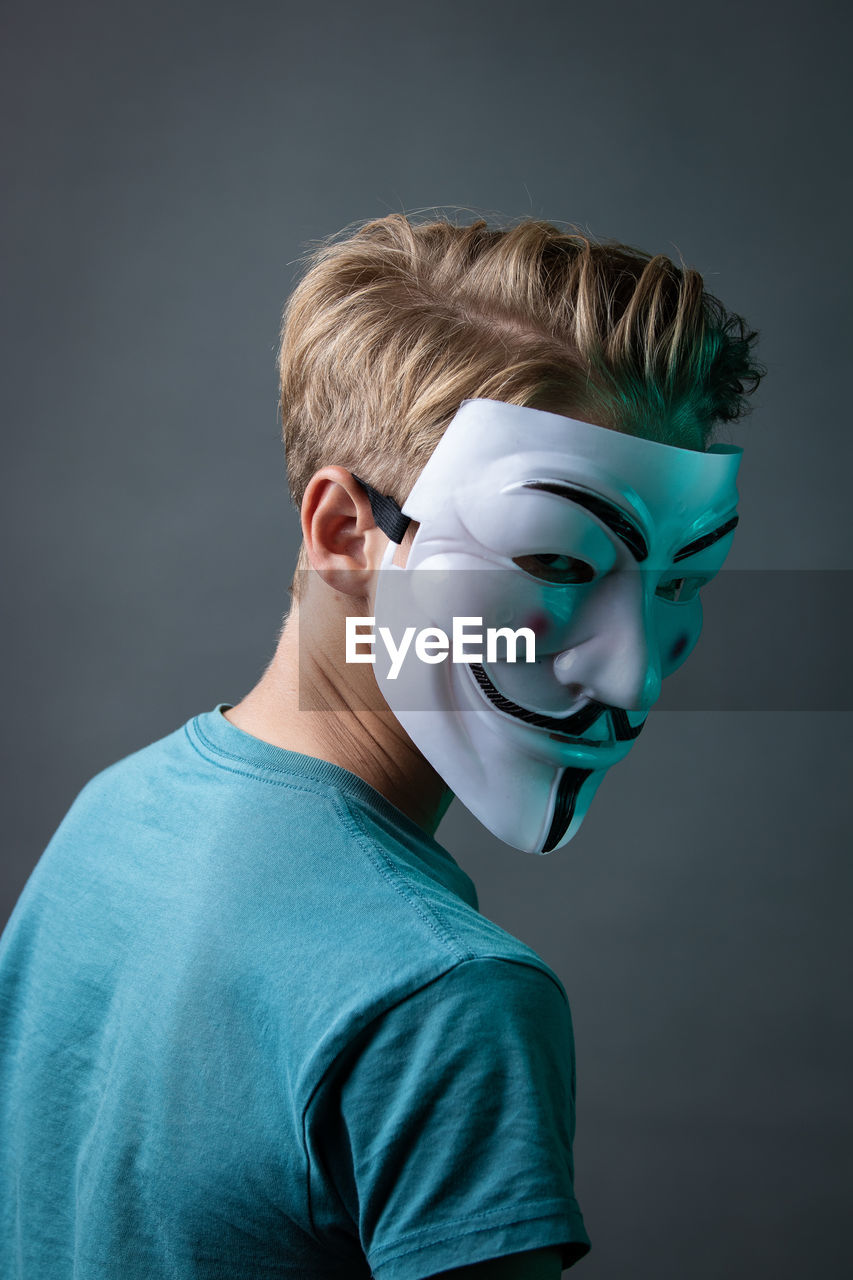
{"points": [[581, 533]]}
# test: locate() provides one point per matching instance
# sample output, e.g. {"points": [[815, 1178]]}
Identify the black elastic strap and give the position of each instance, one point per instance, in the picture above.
{"points": [[387, 514]]}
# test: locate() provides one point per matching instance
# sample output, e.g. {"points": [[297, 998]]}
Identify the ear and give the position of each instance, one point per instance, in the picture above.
{"points": [[342, 542]]}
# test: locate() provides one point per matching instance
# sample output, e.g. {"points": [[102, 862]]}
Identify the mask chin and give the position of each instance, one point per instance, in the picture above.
{"points": [[572, 796], [529, 804]]}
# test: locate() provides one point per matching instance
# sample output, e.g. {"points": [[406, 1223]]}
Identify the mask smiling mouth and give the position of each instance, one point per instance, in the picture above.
{"points": [[573, 726]]}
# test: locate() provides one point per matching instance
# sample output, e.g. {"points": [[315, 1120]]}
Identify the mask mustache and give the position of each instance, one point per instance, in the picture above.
{"points": [[574, 726]]}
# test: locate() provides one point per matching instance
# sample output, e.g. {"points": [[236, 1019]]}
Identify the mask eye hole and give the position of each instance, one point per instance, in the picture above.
{"points": [[553, 567], [680, 590]]}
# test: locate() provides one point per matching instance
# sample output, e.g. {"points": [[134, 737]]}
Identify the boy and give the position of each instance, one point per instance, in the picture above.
{"points": [[251, 1021]]}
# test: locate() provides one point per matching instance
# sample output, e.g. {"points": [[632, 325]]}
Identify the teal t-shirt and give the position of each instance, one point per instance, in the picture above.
{"points": [[253, 1025]]}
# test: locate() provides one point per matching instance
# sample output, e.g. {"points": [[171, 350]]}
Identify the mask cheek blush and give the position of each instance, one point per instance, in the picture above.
{"points": [[678, 646], [537, 621]]}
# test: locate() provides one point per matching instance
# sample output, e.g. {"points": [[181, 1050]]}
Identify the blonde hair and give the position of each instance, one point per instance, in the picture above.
{"points": [[394, 325]]}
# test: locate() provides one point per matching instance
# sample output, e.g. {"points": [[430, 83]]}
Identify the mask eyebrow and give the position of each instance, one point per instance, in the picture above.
{"points": [[699, 544], [607, 512]]}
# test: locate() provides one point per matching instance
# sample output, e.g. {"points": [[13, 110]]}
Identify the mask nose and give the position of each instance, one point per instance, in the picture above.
{"points": [[615, 658]]}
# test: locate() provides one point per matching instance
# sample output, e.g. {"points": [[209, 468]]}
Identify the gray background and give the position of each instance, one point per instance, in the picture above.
{"points": [[165, 166]]}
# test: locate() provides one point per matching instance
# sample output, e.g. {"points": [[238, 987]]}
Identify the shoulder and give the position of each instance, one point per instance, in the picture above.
{"points": [[469, 1018]]}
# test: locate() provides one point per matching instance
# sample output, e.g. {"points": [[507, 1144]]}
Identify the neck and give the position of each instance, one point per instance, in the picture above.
{"points": [[309, 701]]}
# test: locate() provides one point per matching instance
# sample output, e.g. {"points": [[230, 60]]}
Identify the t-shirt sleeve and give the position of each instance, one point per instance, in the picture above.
{"points": [[453, 1124]]}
